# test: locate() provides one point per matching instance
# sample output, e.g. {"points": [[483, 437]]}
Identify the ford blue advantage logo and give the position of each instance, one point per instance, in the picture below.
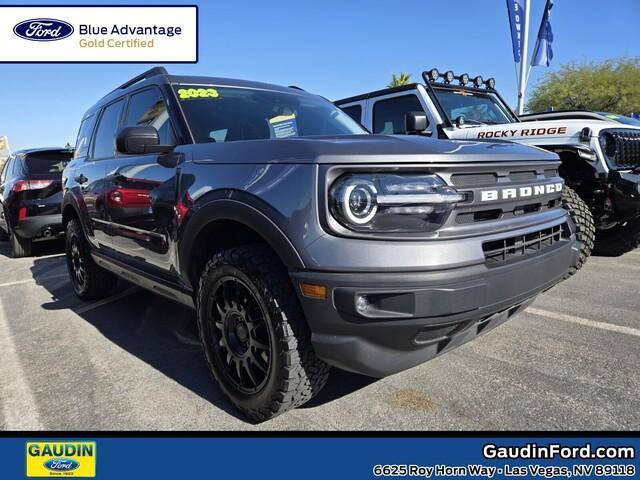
{"points": [[61, 464], [43, 29]]}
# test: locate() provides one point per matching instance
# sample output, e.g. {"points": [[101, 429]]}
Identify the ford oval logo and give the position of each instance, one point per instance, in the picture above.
{"points": [[43, 29], [61, 464]]}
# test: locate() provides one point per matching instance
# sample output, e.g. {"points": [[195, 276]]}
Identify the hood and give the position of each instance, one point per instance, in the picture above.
{"points": [[363, 149]]}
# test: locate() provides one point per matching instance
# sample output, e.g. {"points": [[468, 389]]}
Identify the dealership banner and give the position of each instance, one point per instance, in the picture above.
{"points": [[516, 22], [321, 457], [123, 34]]}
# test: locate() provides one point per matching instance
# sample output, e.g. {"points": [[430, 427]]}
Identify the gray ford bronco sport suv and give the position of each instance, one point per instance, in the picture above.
{"points": [[301, 240]]}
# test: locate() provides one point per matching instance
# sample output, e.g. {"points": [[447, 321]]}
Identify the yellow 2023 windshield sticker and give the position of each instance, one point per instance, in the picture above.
{"points": [[189, 93]]}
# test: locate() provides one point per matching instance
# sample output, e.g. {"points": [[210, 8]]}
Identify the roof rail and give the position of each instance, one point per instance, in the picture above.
{"points": [[296, 87], [143, 76]]}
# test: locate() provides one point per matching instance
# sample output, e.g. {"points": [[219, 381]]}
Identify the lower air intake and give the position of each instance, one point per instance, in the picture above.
{"points": [[512, 249]]}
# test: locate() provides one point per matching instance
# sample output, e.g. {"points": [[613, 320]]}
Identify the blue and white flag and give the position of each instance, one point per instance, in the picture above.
{"points": [[516, 21], [543, 54]]}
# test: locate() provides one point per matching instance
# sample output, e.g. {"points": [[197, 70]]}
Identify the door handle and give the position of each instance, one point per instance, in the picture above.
{"points": [[81, 178]]}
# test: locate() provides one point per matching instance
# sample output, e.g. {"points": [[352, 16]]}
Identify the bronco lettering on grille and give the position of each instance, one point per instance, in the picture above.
{"points": [[520, 192]]}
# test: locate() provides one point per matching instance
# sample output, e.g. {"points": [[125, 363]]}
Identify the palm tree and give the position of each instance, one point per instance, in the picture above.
{"points": [[397, 80]]}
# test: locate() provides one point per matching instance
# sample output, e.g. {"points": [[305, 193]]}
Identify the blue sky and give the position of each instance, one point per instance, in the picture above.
{"points": [[334, 48]]}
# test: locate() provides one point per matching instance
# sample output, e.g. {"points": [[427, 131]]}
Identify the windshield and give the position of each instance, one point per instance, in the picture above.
{"points": [[227, 114], [476, 108], [621, 119]]}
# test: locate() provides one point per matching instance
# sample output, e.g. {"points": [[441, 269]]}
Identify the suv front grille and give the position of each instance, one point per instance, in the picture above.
{"points": [[627, 144], [487, 179], [507, 250]]}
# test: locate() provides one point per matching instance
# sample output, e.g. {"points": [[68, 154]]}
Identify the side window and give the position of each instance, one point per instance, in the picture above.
{"points": [[84, 137], [148, 108], [17, 167], [104, 142], [388, 115], [354, 111], [5, 170]]}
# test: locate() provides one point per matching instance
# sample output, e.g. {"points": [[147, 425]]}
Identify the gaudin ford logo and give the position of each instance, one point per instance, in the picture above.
{"points": [[57, 459], [43, 29], [520, 192], [61, 464]]}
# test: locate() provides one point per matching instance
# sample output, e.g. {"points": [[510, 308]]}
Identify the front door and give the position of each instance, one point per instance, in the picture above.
{"points": [[141, 193]]}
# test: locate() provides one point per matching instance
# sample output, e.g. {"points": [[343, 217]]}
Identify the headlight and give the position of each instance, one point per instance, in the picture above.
{"points": [[391, 202]]}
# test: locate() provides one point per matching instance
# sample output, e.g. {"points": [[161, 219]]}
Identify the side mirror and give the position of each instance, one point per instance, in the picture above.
{"points": [[415, 123], [140, 139]]}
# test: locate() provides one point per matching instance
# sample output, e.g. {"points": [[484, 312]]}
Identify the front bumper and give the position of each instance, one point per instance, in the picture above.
{"points": [[40, 227], [415, 316]]}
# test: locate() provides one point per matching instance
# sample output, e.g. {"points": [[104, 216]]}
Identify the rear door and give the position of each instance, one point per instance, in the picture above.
{"points": [[141, 192], [90, 174]]}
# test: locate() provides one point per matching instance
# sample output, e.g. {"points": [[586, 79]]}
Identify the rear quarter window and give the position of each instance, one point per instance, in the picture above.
{"points": [[84, 137]]}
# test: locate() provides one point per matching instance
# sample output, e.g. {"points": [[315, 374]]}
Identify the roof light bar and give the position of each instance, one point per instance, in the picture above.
{"points": [[433, 74], [448, 77]]}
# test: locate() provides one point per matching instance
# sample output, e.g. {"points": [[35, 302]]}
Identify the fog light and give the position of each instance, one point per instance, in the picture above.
{"points": [[362, 303]]}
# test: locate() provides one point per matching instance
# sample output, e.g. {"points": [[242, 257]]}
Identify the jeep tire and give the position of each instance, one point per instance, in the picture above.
{"points": [[254, 335], [584, 225], [89, 281], [20, 247], [619, 239]]}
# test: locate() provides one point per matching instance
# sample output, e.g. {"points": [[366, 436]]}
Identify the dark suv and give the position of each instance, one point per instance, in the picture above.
{"points": [[30, 197], [301, 240]]}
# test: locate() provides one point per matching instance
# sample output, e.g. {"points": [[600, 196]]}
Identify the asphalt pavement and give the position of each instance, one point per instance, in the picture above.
{"points": [[133, 362]]}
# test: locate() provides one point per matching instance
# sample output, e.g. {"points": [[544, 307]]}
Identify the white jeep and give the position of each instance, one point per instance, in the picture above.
{"points": [[600, 155]]}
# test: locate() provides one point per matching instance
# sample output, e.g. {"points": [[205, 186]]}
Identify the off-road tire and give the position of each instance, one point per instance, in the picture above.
{"points": [[584, 225], [296, 374], [618, 240], [98, 282], [20, 247]]}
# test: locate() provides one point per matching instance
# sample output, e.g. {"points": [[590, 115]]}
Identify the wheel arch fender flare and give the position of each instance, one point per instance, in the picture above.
{"points": [[243, 208], [69, 201]]}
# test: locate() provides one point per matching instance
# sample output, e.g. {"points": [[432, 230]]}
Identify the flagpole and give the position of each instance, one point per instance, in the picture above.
{"points": [[522, 84]]}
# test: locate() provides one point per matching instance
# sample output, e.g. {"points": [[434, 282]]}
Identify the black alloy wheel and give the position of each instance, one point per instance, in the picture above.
{"points": [[240, 336]]}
